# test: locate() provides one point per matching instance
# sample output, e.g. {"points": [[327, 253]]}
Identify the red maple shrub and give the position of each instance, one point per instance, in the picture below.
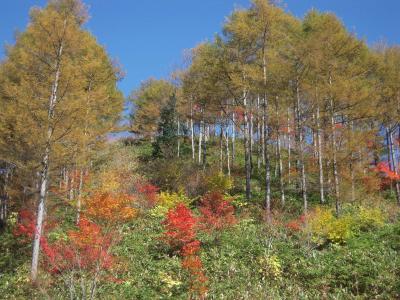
{"points": [[25, 226], [216, 212], [87, 248], [180, 236], [296, 224], [197, 280], [148, 193], [180, 225], [383, 167]]}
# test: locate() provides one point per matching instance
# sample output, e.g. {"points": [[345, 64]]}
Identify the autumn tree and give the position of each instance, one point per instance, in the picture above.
{"points": [[43, 89]]}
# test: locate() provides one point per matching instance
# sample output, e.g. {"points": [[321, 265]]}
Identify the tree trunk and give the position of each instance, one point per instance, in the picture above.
{"points": [[71, 187], [334, 161], [247, 148], [233, 138], [320, 159], [267, 162], [192, 131], [281, 183], [259, 151], [228, 164], [300, 148], [79, 197], [44, 176], [394, 163], [221, 147], [201, 128], [179, 140], [251, 138], [289, 133]]}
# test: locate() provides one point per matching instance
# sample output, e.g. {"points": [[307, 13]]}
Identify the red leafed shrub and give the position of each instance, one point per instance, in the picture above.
{"points": [[87, 248], [190, 248], [180, 235], [384, 168], [296, 224], [25, 225], [216, 212], [198, 281], [180, 227], [148, 191]]}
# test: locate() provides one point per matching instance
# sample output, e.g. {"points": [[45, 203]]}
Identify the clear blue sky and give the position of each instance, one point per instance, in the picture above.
{"points": [[148, 37]]}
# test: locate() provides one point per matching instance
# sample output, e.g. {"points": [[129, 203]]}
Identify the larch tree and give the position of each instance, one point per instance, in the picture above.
{"points": [[43, 89]]}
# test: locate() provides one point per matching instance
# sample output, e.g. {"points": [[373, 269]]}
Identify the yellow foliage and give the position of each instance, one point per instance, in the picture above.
{"points": [[170, 200], [109, 181], [166, 201], [169, 283], [370, 217], [324, 226], [270, 267], [219, 182]]}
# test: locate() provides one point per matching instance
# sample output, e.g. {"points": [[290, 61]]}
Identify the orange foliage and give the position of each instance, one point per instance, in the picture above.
{"points": [[110, 207], [384, 168], [87, 249]]}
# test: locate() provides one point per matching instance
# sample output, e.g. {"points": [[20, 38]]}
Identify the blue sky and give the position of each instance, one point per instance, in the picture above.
{"points": [[148, 37]]}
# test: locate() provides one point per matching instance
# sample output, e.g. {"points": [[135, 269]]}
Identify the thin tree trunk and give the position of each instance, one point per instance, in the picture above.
{"points": [[279, 154], [281, 183], [267, 162], [200, 139], [233, 138], [192, 131], [247, 148], [221, 146], [71, 187], [334, 161], [44, 176], [320, 159], [289, 133], [79, 197], [394, 162], [259, 151], [228, 165], [301, 150], [251, 138], [205, 141], [179, 139]]}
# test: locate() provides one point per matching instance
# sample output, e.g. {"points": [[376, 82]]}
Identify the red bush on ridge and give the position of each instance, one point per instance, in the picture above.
{"points": [[87, 249], [383, 167], [180, 228], [180, 235], [296, 224], [216, 212], [148, 191]]}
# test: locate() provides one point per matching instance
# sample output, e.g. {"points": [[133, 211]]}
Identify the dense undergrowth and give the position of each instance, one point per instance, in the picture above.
{"points": [[295, 256]]}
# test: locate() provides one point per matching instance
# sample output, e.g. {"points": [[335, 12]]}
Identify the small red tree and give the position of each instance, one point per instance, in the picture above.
{"points": [[82, 256], [148, 193], [216, 212], [384, 168], [180, 235], [86, 248]]}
